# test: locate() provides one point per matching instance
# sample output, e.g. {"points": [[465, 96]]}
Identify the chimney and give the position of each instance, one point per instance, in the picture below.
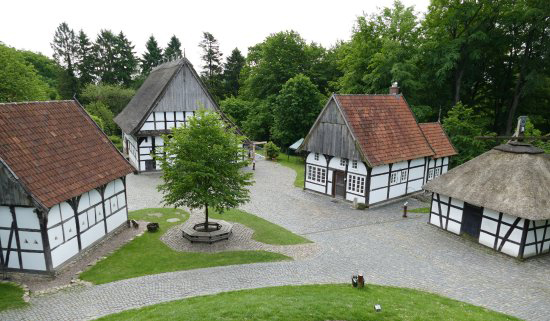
{"points": [[394, 89]]}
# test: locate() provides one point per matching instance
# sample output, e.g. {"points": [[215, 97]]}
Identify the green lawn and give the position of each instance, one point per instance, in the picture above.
{"points": [[314, 302], [147, 254], [420, 210], [11, 296], [264, 231], [294, 162]]}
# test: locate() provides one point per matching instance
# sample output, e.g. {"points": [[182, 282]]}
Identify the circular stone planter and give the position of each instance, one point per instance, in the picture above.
{"points": [[218, 230]]}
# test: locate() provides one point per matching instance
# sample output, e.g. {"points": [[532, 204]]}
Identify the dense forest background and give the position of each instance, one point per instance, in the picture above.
{"points": [[474, 65]]}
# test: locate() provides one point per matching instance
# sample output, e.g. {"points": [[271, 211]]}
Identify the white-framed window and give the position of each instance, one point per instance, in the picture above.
{"points": [[316, 156], [343, 162], [316, 174], [354, 164], [394, 178], [356, 184], [404, 175], [430, 174], [437, 171]]}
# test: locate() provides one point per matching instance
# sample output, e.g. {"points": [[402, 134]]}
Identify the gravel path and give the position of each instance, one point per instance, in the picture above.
{"points": [[388, 249]]}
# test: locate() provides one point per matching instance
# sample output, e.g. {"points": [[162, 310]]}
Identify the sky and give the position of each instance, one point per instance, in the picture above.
{"points": [[30, 25]]}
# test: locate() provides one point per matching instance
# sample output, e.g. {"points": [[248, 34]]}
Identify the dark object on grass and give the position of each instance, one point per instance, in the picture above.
{"points": [[360, 281], [354, 281], [134, 223], [153, 227]]}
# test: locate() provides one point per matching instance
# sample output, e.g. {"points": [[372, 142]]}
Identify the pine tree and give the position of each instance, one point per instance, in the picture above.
{"points": [[105, 51], [212, 68], [232, 69], [173, 50], [126, 62], [64, 47], [85, 59], [152, 56]]}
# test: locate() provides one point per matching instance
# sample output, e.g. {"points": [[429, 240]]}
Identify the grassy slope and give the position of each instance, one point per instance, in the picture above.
{"points": [[264, 231], [420, 210], [11, 296], [314, 302], [147, 254]]}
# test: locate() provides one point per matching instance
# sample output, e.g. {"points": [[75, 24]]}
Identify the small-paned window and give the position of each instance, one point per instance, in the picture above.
{"points": [[393, 178], [316, 174], [316, 156], [404, 175], [343, 162], [356, 183], [430, 174], [437, 171], [354, 164]]}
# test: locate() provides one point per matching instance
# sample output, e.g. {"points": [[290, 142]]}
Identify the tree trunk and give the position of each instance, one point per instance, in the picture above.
{"points": [[206, 216], [512, 113], [458, 82]]}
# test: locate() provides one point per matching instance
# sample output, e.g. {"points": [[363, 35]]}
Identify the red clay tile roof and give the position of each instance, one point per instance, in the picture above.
{"points": [[56, 150], [384, 127], [437, 138]]}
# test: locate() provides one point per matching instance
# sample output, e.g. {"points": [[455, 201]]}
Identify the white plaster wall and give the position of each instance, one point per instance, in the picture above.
{"points": [[335, 164], [414, 186], [351, 197], [415, 173], [361, 168], [64, 252], [399, 166], [380, 169], [5, 217], [315, 187], [27, 218], [378, 195], [91, 235], [397, 190], [378, 181], [454, 213]]}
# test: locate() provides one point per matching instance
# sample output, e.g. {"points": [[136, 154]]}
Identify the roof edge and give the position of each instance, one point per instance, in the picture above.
{"points": [[24, 187]]}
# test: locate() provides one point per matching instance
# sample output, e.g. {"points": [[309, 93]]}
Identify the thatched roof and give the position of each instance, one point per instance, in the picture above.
{"points": [[513, 178], [147, 95]]}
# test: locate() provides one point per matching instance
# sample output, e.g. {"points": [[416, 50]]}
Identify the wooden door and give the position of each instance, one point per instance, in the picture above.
{"points": [[149, 165], [471, 220], [339, 183]]}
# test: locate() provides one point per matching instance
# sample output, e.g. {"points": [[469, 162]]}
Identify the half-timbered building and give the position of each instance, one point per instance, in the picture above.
{"points": [[168, 98], [62, 185], [501, 198], [370, 148]]}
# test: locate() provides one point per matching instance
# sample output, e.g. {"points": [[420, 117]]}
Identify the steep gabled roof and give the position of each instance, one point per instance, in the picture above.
{"points": [[511, 178], [56, 151], [147, 96], [438, 140], [152, 91], [383, 126]]}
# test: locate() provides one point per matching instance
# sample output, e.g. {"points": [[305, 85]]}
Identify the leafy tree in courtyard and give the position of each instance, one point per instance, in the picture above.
{"points": [[19, 80], [463, 125], [212, 68], [231, 73], [152, 56], [296, 108], [202, 166], [173, 50]]}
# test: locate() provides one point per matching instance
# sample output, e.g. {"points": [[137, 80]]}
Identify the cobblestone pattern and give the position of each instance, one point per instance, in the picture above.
{"points": [[388, 249], [240, 240]]}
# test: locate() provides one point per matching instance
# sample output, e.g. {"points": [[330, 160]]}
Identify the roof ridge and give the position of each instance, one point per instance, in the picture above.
{"points": [[35, 102], [391, 95]]}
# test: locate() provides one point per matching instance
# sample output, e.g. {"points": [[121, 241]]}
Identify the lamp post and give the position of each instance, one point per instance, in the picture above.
{"points": [[405, 209]]}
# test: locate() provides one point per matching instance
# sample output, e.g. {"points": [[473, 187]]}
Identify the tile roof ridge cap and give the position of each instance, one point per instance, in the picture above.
{"points": [[36, 102]]}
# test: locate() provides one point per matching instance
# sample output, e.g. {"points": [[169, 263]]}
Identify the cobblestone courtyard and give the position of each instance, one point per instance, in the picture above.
{"points": [[388, 249]]}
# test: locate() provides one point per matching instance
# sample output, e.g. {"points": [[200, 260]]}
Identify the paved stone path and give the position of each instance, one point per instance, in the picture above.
{"points": [[240, 240], [388, 249]]}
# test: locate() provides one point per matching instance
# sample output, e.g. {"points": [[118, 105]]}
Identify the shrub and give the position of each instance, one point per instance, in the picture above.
{"points": [[117, 141], [272, 151]]}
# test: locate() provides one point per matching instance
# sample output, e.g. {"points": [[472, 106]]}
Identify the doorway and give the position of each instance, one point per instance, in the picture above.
{"points": [[150, 165], [340, 184], [471, 220]]}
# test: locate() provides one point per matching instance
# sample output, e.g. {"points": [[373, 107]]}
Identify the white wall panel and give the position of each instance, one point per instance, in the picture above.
{"points": [[315, 187], [93, 234], [64, 252], [116, 220], [397, 190], [5, 216], [378, 181], [33, 261], [399, 166], [361, 168], [30, 241], [335, 164], [27, 218], [55, 236], [351, 197], [415, 173], [378, 195], [380, 169], [415, 186], [66, 211]]}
